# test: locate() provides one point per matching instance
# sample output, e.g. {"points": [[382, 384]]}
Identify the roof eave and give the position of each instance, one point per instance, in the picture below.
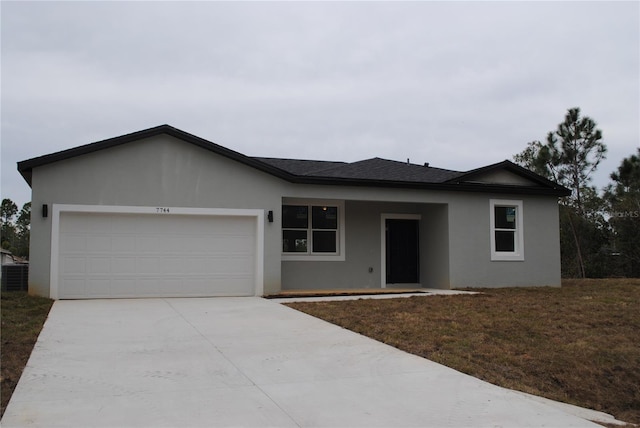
{"points": [[456, 184], [447, 186]]}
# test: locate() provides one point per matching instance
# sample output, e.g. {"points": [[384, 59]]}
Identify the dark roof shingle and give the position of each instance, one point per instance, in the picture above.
{"points": [[369, 169], [388, 170], [299, 166]]}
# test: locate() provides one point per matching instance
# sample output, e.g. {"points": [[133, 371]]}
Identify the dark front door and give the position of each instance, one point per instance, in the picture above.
{"points": [[402, 251]]}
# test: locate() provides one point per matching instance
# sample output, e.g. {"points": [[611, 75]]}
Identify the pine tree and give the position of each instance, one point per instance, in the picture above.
{"points": [[569, 157]]}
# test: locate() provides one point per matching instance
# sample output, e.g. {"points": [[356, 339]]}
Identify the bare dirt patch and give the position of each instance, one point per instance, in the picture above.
{"points": [[578, 344]]}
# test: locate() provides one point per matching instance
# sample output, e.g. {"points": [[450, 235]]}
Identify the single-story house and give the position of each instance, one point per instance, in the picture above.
{"points": [[161, 212]]}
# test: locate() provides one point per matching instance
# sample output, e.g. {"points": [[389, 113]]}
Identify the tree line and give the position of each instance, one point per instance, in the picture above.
{"points": [[14, 233], [599, 231]]}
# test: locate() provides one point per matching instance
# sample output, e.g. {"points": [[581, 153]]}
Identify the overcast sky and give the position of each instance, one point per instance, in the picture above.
{"points": [[459, 84]]}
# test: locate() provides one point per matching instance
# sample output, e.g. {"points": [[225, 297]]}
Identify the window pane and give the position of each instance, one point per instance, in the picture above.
{"points": [[325, 217], [324, 241], [294, 241], [505, 217], [295, 216], [505, 241]]}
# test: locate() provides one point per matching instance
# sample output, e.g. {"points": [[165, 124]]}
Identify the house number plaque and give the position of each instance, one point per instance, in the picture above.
{"points": [[162, 210]]}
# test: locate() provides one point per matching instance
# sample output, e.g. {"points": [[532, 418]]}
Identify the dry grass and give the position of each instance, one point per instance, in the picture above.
{"points": [[579, 344], [22, 320]]}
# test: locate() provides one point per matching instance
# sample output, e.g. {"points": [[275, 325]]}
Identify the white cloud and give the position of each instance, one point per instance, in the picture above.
{"points": [[456, 84]]}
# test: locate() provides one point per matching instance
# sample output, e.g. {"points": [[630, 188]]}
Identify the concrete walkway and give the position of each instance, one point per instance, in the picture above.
{"points": [[243, 362], [424, 292]]}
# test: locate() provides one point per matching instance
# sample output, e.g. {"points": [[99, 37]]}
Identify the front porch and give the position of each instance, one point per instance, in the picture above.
{"points": [[382, 247]]}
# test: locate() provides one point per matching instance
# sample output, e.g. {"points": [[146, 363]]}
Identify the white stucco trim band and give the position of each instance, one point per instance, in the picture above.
{"points": [[57, 209]]}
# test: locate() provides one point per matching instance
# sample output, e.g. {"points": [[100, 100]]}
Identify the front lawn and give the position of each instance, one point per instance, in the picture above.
{"points": [[22, 320], [579, 344]]}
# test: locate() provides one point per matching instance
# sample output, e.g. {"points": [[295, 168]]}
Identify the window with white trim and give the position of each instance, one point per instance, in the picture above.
{"points": [[312, 231], [507, 242]]}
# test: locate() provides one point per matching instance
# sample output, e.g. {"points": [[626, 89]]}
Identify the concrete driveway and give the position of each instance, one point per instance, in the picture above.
{"points": [[243, 362]]}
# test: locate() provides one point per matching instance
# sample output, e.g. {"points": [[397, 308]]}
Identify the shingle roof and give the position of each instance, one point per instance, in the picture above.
{"points": [[389, 170], [374, 172], [300, 166], [369, 169]]}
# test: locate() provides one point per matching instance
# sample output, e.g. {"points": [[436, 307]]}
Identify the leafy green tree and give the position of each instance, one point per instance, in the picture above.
{"points": [[569, 157], [623, 198], [8, 210], [23, 230], [15, 236]]}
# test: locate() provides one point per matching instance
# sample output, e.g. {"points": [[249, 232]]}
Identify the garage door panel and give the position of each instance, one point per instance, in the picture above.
{"points": [[121, 243], [177, 266], [125, 287], [229, 265], [97, 223], [235, 244], [76, 223], [99, 265], [99, 242], [73, 242], [149, 266], [148, 287], [225, 285], [97, 287], [123, 255], [229, 224], [179, 243], [75, 287], [195, 264], [123, 266], [126, 224], [149, 244], [188, 286], [73, 265]]}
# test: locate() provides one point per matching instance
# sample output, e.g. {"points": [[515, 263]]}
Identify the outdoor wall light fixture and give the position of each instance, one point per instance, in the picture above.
{"points": [[270, 216], [45, 210]]}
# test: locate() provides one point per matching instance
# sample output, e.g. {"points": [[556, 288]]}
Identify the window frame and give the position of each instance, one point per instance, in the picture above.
{"points": [[518, 253], [339, 255]]}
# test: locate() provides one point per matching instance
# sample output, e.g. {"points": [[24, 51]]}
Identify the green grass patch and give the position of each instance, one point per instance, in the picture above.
{"points": [[578, 344], [22, 319]]}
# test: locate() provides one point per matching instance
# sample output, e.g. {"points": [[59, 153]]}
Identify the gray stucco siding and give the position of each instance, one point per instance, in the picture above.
{"points": [[434, 250], [470, 248], [161, 171]]}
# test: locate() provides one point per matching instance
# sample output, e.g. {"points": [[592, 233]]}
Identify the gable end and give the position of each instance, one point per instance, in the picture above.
{"points": [[508, 174], [25, 167]]}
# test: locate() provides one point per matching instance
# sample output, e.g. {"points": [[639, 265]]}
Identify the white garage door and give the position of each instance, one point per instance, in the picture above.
{"points": [[144, 255]]}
